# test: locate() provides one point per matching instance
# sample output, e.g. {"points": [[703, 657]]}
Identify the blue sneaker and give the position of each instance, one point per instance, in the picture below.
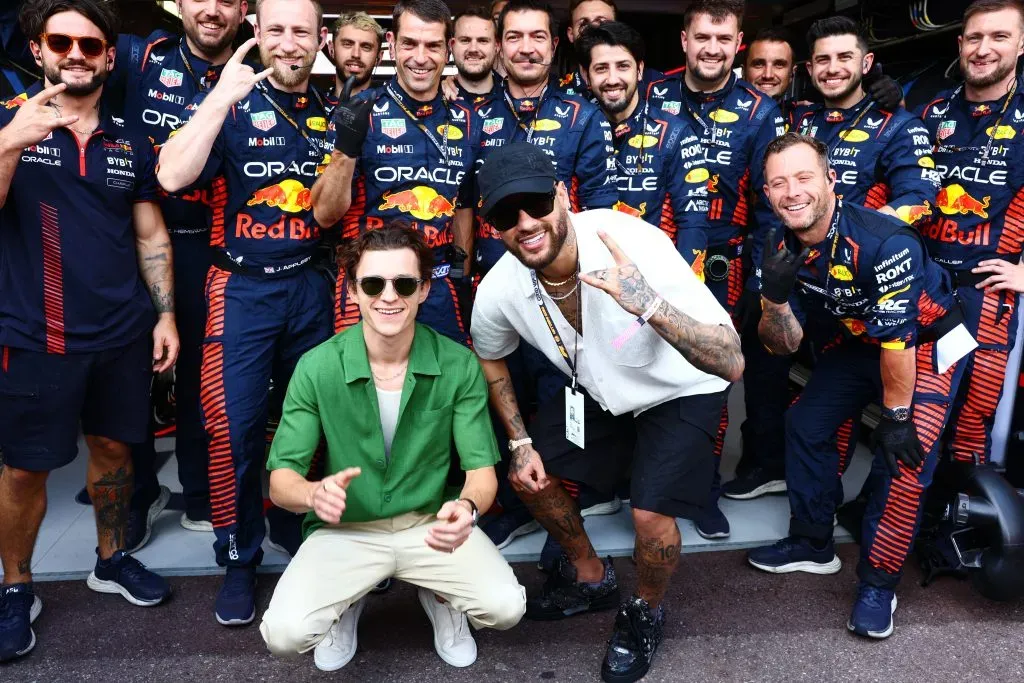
{"points": [[125, 575], [508, 526], [872, 613], [236, 601], [711, 523], [795, 554], [19, 607]]}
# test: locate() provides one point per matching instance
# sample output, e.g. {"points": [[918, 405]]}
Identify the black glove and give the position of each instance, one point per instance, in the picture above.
{"points": [[884, 90], [778, 272], [351, 122], [898, 441], [747, 311]]}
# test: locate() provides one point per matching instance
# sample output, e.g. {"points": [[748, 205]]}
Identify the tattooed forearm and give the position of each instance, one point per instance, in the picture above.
{"points": [[656, 560], [111, 494], [503, 399], [779, 329], [559, 514], [714, 349], [155, 267]]}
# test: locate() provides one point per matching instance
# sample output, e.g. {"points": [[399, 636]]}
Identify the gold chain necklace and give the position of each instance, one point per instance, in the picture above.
{"points": [[566, 281]]}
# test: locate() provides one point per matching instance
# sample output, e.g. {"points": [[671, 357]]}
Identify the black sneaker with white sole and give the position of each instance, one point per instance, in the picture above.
{"points": [[123, 575], [754, 483], [19, 607]]}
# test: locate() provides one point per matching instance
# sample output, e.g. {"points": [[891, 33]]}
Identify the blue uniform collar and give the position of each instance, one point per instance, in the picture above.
{"points": [[836, 115], [291, 101], [414, 105], [705, 97]]}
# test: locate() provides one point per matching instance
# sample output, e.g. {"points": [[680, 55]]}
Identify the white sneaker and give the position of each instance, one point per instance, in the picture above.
{"points": [[195, 524], [339, 645], [452, 639]]}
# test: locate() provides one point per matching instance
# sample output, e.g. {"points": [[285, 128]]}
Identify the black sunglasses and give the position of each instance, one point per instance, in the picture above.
{"points": [[61, 44], [405, 285], [505, 215]]}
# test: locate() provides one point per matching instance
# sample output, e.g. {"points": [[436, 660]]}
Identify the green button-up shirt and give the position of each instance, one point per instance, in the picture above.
{"points": [[444, 398]]}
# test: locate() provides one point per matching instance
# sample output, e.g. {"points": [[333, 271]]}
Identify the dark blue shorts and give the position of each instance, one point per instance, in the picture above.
{"points": [[44, 397]]}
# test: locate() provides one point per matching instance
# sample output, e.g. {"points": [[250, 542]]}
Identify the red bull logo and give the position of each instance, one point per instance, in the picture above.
{"points": [[421, 202], [526, 106], [697, 262], [16, 101], [981, 110], [288, 195], [625, 208], [856, 327], [712, 185], [954, 199], [424, 111], [913, 213], [565, 80]]}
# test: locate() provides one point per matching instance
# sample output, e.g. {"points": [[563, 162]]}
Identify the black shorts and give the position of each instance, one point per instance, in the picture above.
{"points": [[44, 396], [666, 451]]}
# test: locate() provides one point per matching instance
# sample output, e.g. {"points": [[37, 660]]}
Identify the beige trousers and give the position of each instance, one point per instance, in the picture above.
{"points": [[338, 565]]}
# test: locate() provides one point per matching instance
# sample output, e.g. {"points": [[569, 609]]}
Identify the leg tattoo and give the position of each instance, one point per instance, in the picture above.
{"points": [[656, 560], [111, 494], [557, 512]]}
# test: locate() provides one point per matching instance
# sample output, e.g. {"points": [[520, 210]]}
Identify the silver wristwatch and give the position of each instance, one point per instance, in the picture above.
{"points": [[897, 414]]}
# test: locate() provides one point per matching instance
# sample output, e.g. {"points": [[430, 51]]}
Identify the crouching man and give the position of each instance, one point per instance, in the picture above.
{"points": [[390, 396]]}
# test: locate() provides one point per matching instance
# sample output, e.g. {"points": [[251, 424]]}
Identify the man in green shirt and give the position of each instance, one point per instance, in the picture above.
{"points": [[390, 396]]}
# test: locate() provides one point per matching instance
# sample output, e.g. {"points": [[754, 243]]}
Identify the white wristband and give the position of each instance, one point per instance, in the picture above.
{"points": [[655, 305]]}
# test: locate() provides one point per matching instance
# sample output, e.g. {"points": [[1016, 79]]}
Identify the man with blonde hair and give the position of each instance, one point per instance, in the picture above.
{"points": [[355, 48]]}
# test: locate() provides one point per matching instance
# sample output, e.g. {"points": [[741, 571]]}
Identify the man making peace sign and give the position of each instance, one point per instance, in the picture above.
{"points": [[265, 132], [650, 354]]}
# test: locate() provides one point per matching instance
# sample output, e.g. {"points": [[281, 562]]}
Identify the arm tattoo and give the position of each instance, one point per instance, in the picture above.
{"points": [[636, 295], [780, 330], [656, 560], [155, 267], [714, 349], [111, 493], [504, 398]]}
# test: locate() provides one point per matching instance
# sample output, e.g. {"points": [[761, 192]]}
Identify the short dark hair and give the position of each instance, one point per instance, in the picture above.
{"points": [[393, 236], [773, 34], [718, 10], [474, 11], [835, 26], [529, 6], [986, 6], [612, 33], [573, 4], [35, 13], [431, 11], [791, 139]]}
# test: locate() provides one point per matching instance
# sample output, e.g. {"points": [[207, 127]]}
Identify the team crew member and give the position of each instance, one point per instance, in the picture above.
{"points": [[402, 151], [736, 122], [872, 277], [656, 153], [266, 133], [769, 64], [645, 391], [77, 337], [426, 393], [584, 14], [475, 50], [355, 50], [978, 214], [571, 130], [160, 75]]}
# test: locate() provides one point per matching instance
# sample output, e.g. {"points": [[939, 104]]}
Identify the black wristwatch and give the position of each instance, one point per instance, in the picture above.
{"points": [[476, 510], [897, 414]]}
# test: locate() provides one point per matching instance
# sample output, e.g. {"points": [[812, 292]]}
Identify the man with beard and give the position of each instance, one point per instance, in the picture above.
{"points": [[869, 276], [975, 226], [656, 153], [736, 122], [582, 15], [883, 161], [644, 393], [266, 134], [81, 240], [475, 50], [159, 76], [356, 51], [402, 151]]}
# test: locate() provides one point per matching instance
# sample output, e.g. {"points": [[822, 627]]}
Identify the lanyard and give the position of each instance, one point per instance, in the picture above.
{"points": [[698, 119], [536, 112], [442, 146], [832, 143], [640, 156], [835, 243], [936, 147], [571, 362], [188, 66], [280, 110]]}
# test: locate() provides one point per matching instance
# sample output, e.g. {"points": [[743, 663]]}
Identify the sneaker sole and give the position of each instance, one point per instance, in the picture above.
{"points": [[428, 608], [114, 588], [609, 677], [523, 530], [356, 607], [713, 537], [154, 511], [775, 486], [809, 567], [236, 622], [609, 508], [33, 614], [610, 601], [877, 634], [193, 525]]}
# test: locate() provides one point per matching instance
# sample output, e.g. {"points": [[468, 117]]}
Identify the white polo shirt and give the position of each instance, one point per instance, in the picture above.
{"points": [[647, 370]]}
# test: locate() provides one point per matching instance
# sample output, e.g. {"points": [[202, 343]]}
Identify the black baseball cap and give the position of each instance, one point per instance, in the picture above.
{"points": [[519, 168]]}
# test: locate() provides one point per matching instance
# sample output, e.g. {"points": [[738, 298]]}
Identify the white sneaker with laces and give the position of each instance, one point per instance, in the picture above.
{"points": [[452, 638], [339, 645]]}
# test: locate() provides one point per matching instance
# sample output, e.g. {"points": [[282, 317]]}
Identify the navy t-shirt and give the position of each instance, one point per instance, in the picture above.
{"points": [[69, 274]]}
